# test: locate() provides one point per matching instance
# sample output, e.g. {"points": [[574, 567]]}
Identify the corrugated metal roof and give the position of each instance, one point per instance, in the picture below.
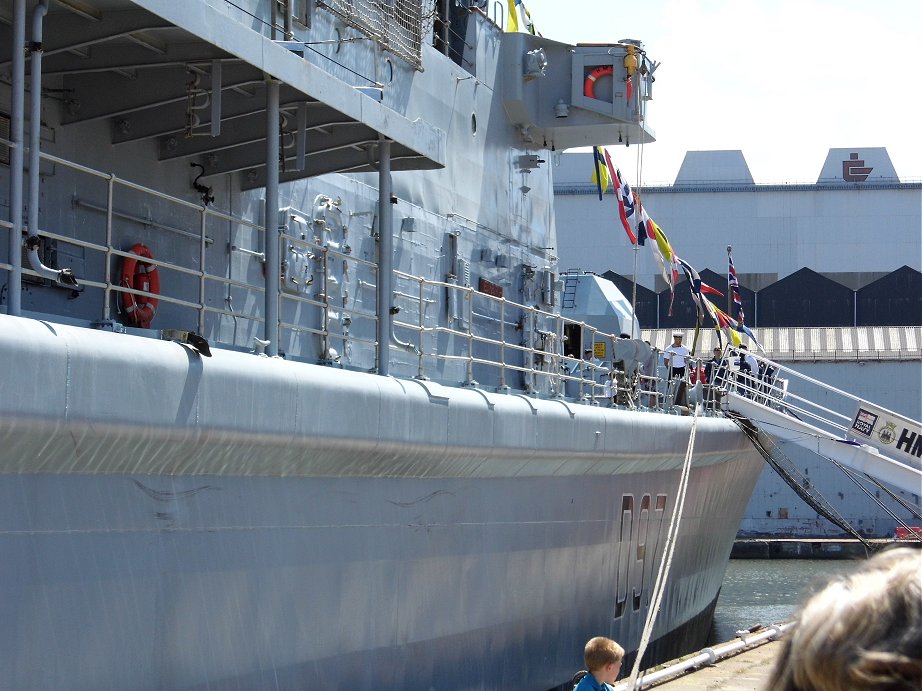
{"points": [[792, 344]]}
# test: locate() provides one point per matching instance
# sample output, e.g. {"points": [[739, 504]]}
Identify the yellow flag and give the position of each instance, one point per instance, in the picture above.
{"points": [[600, 174], [512, 22], [663, 243]]}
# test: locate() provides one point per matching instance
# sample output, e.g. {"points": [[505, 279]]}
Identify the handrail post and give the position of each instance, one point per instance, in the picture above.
{"points": [[532, 384], [273, 266], [385, 256], [502, 346], [201, 287], [470, 338], [420, 370], [559, 384], [17, 111], [107, 292], [325, 310], [593, 372]]}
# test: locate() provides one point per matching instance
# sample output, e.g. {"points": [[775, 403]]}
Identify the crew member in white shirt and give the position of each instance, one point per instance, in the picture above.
{"points": [[676, 355]]}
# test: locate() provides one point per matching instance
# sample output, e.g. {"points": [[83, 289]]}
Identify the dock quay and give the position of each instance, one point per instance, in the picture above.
{"points": [[743, 664], [803, 548]]}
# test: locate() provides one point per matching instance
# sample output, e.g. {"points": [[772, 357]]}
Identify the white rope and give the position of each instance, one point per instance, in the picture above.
{"points": [[661, 577]]}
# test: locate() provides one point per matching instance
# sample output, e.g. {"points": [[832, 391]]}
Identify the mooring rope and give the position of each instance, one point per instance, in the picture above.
{"points": [[663, 574]]}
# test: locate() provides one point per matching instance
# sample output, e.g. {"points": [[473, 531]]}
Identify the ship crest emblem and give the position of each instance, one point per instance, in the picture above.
{"points": [[888, 433]]}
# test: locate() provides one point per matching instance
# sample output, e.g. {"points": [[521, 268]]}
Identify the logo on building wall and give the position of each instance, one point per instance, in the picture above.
{"points": [[854, 170]]}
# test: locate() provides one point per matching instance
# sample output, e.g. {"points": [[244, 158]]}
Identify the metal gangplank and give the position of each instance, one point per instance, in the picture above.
{"points": [[854, 433]]}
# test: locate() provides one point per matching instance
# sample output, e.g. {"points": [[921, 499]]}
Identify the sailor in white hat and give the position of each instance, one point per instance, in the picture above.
{"points": [[675, 355]]}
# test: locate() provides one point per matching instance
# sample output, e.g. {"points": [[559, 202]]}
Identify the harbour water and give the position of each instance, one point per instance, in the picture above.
{"points": [[768, 591]]}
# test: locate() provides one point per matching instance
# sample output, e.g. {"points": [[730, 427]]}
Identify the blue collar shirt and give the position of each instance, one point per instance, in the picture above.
{"points": [[589, 683]]}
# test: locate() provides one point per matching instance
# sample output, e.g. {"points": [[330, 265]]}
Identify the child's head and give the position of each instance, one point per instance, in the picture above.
{"points": [[603, 658]]}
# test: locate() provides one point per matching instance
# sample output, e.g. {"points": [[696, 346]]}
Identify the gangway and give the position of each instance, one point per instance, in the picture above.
{"points": [[872, 440]]}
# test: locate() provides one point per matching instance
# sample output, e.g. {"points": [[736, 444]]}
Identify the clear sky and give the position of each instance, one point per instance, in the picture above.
{"points": [[782, 80]]}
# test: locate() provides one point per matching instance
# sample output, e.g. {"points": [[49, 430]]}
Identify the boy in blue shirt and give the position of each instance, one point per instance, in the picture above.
{"points": [[603, 660]]}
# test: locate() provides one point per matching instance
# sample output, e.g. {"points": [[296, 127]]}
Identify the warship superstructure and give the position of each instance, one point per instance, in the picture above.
{"points": [[293, 393]]}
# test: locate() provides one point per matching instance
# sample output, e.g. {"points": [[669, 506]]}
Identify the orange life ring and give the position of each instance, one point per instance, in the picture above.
{"points": [[140, 275], [600, 71]]}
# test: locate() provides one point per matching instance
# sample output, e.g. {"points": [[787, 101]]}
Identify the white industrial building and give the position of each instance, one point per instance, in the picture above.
{"points": [[831, 284]]}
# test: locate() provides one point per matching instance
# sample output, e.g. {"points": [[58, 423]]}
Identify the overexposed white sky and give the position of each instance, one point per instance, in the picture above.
{"points": [[782, 80]]}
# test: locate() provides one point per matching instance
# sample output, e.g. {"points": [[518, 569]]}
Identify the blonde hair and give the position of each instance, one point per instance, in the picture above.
{"points": [[601, 651], [863, 631]]}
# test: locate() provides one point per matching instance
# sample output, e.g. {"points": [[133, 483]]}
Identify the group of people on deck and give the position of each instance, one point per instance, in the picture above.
{"points": [[749, 371], [749, 375]]}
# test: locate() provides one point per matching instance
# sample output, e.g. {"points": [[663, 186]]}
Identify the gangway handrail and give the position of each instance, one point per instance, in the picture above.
{"points": [[810, 380], [772, 394], [877, 441]]}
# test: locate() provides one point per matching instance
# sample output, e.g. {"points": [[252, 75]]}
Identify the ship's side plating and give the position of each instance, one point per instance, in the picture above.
{"points": [[170, 520], [347, 527]]}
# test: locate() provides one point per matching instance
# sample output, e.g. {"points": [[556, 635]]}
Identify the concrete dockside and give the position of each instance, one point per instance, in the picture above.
{"points": [[746, 671], [803, 548]]}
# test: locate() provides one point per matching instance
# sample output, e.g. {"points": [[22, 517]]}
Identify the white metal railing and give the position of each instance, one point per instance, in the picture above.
{"points": [[494, 335], [541, 362], [321, 301], [787, 390], [110, 287]]}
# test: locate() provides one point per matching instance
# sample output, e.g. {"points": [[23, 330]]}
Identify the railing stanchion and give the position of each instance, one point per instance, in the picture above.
{"points": [[470, 338], [502, 345], [201, 281], [107, 292], [420, 371]]}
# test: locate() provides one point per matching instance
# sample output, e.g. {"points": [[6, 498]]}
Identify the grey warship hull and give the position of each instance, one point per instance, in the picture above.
{"points": [[438, 534], [386, 470]]}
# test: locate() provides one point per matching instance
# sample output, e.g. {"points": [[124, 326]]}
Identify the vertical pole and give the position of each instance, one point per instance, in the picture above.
{"points": [[301, 137], [273, 266], [17, 108], [443, 28], [107, 292], [420, 372], [729, 287], [287, 21], [385, 255], [204, 272], [634, 295], [216, 98]]}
